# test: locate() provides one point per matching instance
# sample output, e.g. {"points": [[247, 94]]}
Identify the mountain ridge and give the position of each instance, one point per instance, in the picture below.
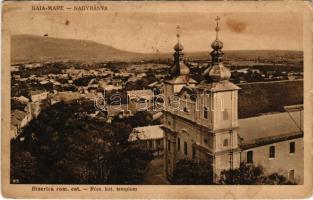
{"points": [[32, 48]]}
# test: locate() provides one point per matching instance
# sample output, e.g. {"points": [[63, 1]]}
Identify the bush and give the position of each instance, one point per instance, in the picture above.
{"points": [[192, 173]]}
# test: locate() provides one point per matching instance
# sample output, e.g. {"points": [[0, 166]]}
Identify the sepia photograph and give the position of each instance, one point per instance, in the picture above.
{"points": [[101, 94]]}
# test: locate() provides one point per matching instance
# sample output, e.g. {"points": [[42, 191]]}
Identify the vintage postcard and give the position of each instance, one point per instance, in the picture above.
{"points": [[157, 99]]}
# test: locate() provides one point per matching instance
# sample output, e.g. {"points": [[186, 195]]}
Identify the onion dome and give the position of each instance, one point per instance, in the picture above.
{"points": [[217, 71], [178, 47], [179, 68], [217, 44]]}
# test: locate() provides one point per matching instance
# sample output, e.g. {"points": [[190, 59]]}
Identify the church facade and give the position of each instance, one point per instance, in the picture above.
{"points": [[201, 121]]}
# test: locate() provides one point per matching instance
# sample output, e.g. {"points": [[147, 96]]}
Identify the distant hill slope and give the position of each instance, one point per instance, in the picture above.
{"points": [[31, 48], [264, 97]]}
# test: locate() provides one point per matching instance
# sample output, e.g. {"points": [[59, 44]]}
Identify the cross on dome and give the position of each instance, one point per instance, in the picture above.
{"points": [[178, 46], [178, 32], [217, 29]]}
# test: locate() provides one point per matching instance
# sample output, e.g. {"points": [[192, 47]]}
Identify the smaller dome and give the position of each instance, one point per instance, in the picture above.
{"points": [[178, 47], [217, 73], [217, 44], [178, 69]]}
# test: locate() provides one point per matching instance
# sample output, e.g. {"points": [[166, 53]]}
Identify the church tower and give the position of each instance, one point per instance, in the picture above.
{"points": [[178, 78], [221, 100], [200, 121], [178, 73]]}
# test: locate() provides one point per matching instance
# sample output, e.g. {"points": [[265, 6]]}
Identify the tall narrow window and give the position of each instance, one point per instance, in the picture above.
{"points": [[292, 147], [185, 148], [250, 157], [178, 144], [169, 146], [225, 114], [225, 143], [205, 112], [291, 175], [272, 152], [193, 152]]}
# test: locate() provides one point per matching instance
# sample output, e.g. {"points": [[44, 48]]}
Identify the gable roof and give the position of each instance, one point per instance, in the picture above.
{"points": [[257, 130]]}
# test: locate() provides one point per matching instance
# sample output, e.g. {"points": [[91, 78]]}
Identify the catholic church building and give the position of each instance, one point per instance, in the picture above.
{"points": [[201, 123]]}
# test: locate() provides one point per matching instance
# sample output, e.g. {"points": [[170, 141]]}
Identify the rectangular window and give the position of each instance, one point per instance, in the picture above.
{"points": [[225, 143], [185, 148], [169, 146], [291, 175], [205, 112], [225, 114], [292, 147], [250, 157], [178, 144], [272, 152]]}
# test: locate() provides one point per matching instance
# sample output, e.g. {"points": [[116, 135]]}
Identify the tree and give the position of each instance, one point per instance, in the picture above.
{"points": [[248, 174], [192, 172], [64, 146]]}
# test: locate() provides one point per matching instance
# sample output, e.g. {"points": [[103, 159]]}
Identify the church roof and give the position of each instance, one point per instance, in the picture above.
{"points": [[269, 128], [179, 68]]}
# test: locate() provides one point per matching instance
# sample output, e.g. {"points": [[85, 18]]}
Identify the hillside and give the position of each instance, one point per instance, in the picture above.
{"points": [[264, 97], [31, 48]]}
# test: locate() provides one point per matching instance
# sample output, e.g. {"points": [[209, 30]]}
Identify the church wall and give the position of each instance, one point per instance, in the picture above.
{"points": [[204, 100], [222, 162], [225, 110], [283, 161], [224, 139]]}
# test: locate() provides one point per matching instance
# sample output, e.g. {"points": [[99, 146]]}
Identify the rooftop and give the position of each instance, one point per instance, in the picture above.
{"points": [[255, 130], [17, 116], [146, 133]]}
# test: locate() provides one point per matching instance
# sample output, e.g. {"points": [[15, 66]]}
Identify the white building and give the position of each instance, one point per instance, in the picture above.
{"points": [[38, 95], [201, 123], [150, 137]]}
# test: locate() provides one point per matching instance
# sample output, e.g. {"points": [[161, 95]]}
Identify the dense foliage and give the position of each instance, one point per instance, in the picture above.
{"points": [[248, 174], [64, 145], [192, 173]]}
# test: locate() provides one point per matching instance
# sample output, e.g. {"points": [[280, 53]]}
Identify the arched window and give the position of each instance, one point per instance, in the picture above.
{"points": [[185, 148], [272, 152], [205, 112]]}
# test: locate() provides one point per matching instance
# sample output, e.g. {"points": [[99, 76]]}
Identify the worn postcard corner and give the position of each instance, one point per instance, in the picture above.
{"points": [[182, 100]]}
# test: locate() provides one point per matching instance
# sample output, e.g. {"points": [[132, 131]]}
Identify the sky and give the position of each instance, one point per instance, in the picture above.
{"points": [[147, 32]]}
